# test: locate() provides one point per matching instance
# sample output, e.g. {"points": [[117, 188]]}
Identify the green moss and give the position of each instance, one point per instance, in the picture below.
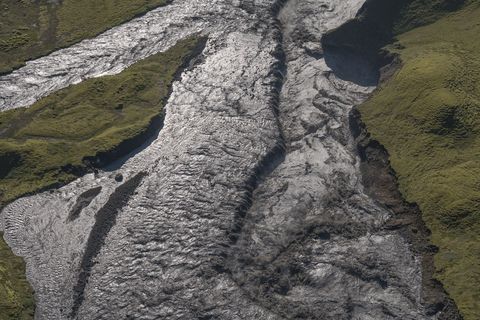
{"points": [[29, 28], [47, 144], [428, 118], [16, 300], [415, 13]]}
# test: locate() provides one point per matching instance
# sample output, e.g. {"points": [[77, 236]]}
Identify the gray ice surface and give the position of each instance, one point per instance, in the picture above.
{"points": [[252, 205]]}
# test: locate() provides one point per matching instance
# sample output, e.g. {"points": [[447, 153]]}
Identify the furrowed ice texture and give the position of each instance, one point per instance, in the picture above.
{"points": [[29, 29], [61, 136], [427, 117]]}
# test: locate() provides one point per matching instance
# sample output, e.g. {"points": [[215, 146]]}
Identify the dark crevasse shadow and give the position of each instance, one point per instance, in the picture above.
{"points": [[105, 219], [353, 50], [353, 67]]}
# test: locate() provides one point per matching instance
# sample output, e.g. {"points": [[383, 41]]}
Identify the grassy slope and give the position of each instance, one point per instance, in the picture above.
{"points": [[60, 130], [16, 296], [416, 13], [428, 118], [29, 29]]}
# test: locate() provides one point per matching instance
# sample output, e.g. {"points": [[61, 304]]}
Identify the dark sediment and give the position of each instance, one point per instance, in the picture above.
{"points": [[277, 155], [104, 220], [83, 201], [380, 182]]}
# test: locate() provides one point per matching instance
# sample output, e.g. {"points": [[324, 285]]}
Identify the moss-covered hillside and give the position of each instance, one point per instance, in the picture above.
{"points": [[16, 296], [64, 134], [428, 118], [32, 28]]}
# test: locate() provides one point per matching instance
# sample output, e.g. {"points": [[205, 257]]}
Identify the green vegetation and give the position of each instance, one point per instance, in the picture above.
{"points": [[428, 118], [415, 13], [48, 144], [16, 296], [32, 28]]}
